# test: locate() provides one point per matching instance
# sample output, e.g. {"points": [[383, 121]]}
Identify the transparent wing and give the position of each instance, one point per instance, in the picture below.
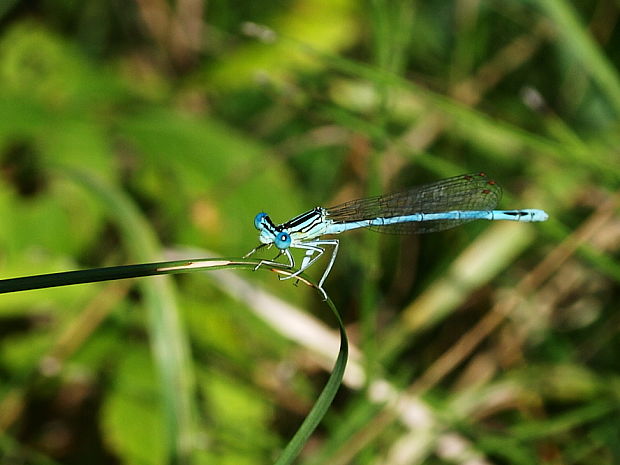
{"points": [[462, 193]]}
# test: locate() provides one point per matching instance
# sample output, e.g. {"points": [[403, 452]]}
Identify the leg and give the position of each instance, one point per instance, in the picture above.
{"points": [[306, 263], [328, 268], [335, 243], [307, 258], [291, 261], [255, 249], [314, 247]]}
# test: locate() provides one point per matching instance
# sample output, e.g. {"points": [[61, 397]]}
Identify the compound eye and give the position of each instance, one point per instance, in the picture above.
{"points": [[258, 220], [283, 240]]}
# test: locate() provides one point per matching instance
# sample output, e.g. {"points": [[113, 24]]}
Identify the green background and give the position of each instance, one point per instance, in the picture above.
{"points": [[139, 131]]}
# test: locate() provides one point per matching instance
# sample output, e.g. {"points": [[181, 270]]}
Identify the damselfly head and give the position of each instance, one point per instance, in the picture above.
{"points": [[259, 220]]}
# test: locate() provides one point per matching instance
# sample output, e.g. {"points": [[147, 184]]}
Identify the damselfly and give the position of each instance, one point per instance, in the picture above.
{"points": [[431, 207]]}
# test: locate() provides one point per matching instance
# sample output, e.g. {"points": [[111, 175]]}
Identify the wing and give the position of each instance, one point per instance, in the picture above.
{"points": [[462, 193]]}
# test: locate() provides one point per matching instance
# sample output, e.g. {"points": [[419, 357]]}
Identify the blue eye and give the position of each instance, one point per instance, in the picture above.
{"points": [[283, 240], [258, 220]]}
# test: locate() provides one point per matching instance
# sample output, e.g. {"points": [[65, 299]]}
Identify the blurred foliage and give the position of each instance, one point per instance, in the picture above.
{"points": [[135, 131]]}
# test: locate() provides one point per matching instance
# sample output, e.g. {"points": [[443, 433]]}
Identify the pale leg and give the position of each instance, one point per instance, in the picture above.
{"points": [[314, 247], [291, 261], [310, 248]]}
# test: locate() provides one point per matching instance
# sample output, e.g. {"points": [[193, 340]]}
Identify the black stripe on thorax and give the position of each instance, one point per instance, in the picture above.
{"points": [[305, 221]]}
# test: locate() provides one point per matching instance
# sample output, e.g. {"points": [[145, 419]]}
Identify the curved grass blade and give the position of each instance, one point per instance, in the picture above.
{"points": [[170, 346], [66, 278], [325, 399]]}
